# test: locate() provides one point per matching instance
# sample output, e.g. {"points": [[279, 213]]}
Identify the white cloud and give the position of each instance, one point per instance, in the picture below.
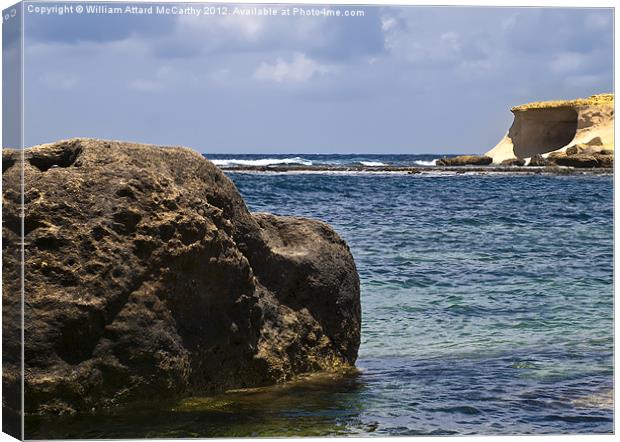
{"points": [[245, 32], [247, 28], [299, 69], [388, 23]]}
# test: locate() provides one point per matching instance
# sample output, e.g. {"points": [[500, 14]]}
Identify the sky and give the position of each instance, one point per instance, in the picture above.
{"points": [[397, 80]]}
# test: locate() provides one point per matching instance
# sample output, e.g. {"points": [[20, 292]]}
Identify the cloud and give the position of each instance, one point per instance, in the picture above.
{"points": [[548, 30], [382, 82], [240, 28], [299, 69], [412, 35], [325, 38], [77, 28]]}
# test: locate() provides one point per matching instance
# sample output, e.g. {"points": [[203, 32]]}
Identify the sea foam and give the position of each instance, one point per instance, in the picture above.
{"points": [[372, 163], [426, 163], [262, 162]]}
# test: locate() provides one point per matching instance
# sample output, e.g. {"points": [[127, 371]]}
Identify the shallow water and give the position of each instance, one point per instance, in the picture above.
{"points": [[487, 309]]}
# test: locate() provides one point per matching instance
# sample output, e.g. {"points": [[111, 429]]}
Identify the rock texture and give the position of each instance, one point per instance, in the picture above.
{"points": [[584, 159], [11, 303], [518, 162], [550, 126], [465, 160], [147, 278], [538, 161]]}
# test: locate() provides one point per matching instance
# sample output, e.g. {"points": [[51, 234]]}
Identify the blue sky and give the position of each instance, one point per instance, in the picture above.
{"points": [[398, 80]]}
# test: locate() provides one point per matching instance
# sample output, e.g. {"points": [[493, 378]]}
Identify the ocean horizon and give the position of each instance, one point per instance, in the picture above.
{"points": [[225, 160]]}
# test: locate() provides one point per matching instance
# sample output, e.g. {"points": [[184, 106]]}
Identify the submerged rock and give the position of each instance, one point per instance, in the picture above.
{"points": [[147, 278], [465, 160]]}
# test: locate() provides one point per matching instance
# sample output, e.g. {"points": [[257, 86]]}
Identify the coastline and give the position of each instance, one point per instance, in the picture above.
{"points": [[521, 170]]}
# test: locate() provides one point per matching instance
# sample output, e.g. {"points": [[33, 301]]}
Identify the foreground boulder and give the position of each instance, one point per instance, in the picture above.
{"points": [[465, 160], [147, 278]]}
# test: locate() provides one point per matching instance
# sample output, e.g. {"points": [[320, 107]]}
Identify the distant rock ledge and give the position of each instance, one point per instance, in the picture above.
{"points": [[577, 133], [147, 278], [465, 160]]}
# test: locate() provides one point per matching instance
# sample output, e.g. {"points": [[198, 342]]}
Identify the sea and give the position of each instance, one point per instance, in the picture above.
{"points": [[487, 303], [227, 161]]}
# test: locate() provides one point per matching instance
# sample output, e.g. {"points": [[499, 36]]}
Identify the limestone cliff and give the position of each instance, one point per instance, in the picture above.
{"points": [[147, 278], [555, 126]]}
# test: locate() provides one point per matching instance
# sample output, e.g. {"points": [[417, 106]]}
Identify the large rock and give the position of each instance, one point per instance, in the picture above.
{"points": [[543, 127], [465, 160], [147, 278]]}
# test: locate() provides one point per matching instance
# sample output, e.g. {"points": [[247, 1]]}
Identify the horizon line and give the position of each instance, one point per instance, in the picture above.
{"points": [[348, 153]]}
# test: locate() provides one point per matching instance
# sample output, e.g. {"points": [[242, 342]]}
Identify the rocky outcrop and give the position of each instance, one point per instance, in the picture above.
{"points": [[544, 127], [465, 160], [538, 161], [583, 159], [513, 162], [147, 278], [578, 156]]}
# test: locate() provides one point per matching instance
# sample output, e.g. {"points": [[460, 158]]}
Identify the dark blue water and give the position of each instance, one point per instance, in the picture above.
{"points": [[275, 160], [487, 309], [487, 300]]}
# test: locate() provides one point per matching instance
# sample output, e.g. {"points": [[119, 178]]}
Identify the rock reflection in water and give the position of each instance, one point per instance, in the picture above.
{"points": [[313, 405]]}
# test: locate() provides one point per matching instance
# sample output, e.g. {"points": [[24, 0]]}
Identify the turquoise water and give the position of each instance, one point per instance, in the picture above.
{"points": [[487, 300], [487, 309]]}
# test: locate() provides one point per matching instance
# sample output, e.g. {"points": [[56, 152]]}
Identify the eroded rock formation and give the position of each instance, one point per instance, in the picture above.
{"points": [[551, 126], [147, 278]]}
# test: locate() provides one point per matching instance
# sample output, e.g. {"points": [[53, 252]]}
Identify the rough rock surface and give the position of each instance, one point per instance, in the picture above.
{"points": [[538, 161], [584, 160], [578, 156], [465, 160], [11, 310], [550, 126], [147, 278], [513, 162]]}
